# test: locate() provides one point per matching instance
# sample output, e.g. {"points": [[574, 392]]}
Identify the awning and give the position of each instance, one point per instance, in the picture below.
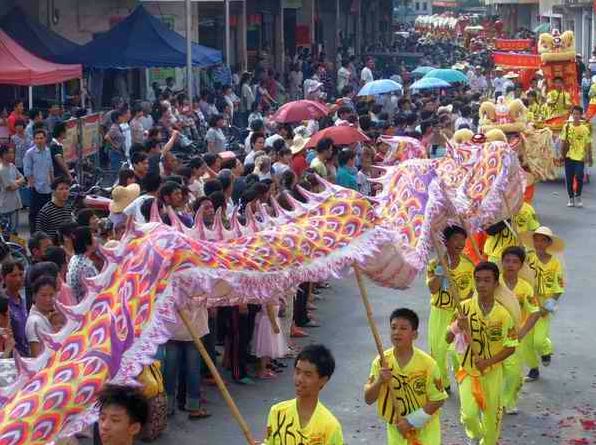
{"points": [[34, 37], [141, 41], [19, 67]]}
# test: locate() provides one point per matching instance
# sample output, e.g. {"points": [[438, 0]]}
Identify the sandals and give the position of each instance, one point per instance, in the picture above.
{"points": [[198, 414]]}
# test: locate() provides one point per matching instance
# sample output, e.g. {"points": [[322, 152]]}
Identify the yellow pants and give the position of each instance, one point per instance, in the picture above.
{"points": [[429, 435], [538, 343], [513, 379], [438, 323], [526, 349], [484, 425]]}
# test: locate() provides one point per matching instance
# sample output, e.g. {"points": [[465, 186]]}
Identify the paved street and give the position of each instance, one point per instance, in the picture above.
{"points": [[551, 409]]}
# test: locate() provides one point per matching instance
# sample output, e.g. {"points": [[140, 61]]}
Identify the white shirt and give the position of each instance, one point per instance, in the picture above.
{"points": [[366, 75], [37, 322], [199, 318], [125, 128], [343, 78], [498, 83], [134, 208]]}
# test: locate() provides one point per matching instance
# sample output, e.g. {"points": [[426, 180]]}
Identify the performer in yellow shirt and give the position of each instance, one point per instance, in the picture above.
{"points": [[493, 340], [526, 219], [501, 236], [558, 101], [549, 285], [513, 260], [576, 149], [417, 387], [305, 420], [536, 109], [442, 303]]}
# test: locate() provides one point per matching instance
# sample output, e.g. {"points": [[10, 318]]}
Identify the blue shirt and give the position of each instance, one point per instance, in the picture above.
{"points": [[346, 177], [38, 163]]}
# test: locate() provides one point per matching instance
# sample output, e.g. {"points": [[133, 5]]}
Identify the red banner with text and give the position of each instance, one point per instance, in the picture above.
{"points": [[514, 44], [517, 60]]}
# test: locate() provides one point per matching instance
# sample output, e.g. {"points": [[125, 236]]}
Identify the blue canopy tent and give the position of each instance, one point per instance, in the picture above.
{"points": [[34, 37], [141, 41]]}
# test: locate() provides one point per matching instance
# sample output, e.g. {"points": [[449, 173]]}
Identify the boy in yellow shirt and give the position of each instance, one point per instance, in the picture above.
{"points": [[416, 382], [485, 336], [442, 306], [305, 420], [549, 285], [576, 151], [513, 260]]}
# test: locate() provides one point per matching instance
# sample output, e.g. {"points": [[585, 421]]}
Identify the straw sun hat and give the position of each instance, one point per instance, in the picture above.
{"points": [[298, 144], [123, 196], [557, 245]]}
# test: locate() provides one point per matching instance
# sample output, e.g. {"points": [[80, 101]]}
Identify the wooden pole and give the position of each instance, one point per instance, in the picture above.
{"points": [[371, 321], [472, 239], [218, 380], [508, 210]]}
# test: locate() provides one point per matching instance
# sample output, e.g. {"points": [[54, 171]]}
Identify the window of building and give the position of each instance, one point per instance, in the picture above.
{"points": [[417, 6], [424, 5]]}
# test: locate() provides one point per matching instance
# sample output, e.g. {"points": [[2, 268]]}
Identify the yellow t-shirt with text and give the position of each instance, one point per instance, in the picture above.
{"points": [[579, 139], [549, 276], [496, 244], [558, 102], [491, 333], [526, 219], [463, 275], [414, 385], [283, 426], [528, 302]]}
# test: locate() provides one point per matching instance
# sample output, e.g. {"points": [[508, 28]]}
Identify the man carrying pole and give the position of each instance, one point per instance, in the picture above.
{"points": [[461, 269], [412, 411], [485, 335]]}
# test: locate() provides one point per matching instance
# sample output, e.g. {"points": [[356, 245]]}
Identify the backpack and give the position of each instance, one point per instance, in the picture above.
{"points": [[153, 388]]}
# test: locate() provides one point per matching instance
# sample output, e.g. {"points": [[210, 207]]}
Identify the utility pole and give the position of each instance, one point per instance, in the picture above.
{"points": [[189, 76]]}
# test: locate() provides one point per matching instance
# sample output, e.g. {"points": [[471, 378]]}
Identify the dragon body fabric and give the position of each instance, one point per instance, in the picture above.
{"points": [[131, 305]]}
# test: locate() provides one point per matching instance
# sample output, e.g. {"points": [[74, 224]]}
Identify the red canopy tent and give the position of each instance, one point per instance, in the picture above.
{"points": [[19, 67]]}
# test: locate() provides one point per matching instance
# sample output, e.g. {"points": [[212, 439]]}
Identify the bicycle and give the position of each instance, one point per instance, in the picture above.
{"points": [[16, 252]]}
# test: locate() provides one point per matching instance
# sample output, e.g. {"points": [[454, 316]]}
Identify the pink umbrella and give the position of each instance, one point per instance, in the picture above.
{"points": [[300, 110], [340, 135]]}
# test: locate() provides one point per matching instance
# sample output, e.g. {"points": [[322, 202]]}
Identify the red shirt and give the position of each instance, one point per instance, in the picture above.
{"points": [[299, 164], [12, 120]]}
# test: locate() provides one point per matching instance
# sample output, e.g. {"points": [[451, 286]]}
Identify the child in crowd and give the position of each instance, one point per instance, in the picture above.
{"points": [[42, 313], [269, 342], [416, 382], [549, 285]]}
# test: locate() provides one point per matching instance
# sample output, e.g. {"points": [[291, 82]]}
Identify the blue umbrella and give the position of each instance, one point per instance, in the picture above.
{"points": [[448, 75], [381, 86], [429, 83], [422, 70]]}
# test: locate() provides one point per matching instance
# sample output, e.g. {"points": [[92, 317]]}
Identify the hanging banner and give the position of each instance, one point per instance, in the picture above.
{"points": [[514, 44], [91, 138], [516, 60]]}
